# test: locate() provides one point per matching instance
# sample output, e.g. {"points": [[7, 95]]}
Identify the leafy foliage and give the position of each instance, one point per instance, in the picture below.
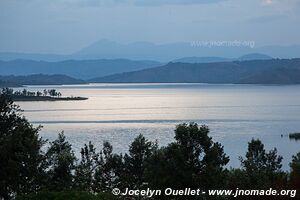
{"points": [[192, 161], [263, 169], [295, 172], [108, 174], [84, 174], [140, 152], [61, 162], [21, 169]]}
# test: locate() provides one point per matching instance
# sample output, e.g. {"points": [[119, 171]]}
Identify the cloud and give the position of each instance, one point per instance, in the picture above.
{"points": [[267, 2]]}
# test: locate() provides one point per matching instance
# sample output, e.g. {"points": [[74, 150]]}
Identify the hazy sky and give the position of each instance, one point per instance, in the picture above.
{"points": [[65, 26]]}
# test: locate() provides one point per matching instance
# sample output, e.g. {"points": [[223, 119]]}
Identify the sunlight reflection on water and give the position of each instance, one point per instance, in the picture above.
{"points": [[119, 112]]}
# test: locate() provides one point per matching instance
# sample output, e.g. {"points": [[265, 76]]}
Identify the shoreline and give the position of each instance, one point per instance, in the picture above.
{"points": [[47, 98]]}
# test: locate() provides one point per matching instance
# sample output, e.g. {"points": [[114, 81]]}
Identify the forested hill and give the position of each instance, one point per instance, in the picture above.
{"points": [[275, 71], [4, 84], [82, 69], [38, 79]]}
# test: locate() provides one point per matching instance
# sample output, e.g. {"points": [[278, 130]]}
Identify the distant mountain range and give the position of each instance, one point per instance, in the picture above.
{"points": [[82, 69], [172, 51], [244, 68], [38, 79], [87, 69], [9, 56], [254, 56], [105, 49], [201, 60], [275, 71]]}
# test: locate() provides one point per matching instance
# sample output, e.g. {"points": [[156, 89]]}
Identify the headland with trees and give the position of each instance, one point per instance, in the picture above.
{"points": [[45, 95]]}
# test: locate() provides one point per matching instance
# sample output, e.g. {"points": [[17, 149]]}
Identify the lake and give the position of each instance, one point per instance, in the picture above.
{"points": [[119, 112]]}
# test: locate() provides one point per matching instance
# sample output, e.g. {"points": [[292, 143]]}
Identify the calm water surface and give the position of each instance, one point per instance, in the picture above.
{"points": [[119, 112]]}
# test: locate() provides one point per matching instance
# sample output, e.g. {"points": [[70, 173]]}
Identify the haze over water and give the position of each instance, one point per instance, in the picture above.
{"points": [[119, 112]]}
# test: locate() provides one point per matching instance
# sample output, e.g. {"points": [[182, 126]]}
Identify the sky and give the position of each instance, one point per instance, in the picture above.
{"points": [[66, 26]]}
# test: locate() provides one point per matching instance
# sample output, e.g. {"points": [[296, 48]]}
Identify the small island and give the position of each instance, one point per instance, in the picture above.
{"points": [[45, 95], [294, 136]]}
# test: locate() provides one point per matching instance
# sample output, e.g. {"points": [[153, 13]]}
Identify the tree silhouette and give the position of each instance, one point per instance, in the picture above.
{"points": [[61, 162], [295, 172], [192, 161], [140, 151], [20, 152], [263, 169], [85, 171], [107, 175]]}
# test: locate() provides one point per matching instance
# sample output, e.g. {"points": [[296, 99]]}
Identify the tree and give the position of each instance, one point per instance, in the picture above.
{"points": [[139, 152], [61, 163], [24, 92], [85, 171], [38, 93], [52, 92], [45, 92], [262, 168], [21, 169], [237, 178], [193, 161], [295, 172], [7, 91], [107, 175]]}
